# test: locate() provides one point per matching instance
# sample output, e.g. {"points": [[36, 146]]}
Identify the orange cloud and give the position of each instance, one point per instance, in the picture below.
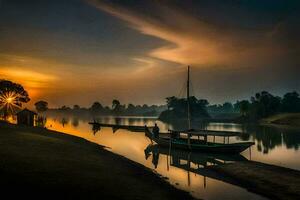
{"points": [[192, 41], [31, 79]]}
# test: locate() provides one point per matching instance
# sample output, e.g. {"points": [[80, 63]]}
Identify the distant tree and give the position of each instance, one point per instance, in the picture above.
{"points": [[213, 108], [117, 108], [107, 110], [96, 108], [236, 106], [177, 108], [65, 108], [12, 96], [227, 107], [115, 104], [265, 104], [171, 102], [202, 102], [76, 107], [41, 106], [290, 102], [244, 107], [131, 109]]}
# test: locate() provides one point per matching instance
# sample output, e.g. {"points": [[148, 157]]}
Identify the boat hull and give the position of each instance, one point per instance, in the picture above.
{"points": [[233, 148], [209, 147]]}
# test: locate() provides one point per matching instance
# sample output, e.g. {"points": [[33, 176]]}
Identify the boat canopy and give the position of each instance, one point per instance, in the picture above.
{"points": [[203, 132]]}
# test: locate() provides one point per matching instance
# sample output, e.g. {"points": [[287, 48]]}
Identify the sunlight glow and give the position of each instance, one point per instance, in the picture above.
{"points": [[8, 102]]}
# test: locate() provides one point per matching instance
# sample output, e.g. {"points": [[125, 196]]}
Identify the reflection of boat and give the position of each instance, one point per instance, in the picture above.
{"points": [[115, 127], [174, 137], [175, 140], [95, 128], [194, 157], [193, 161]]}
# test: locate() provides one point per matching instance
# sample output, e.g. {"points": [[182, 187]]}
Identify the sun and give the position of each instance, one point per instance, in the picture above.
{"points": [[10, 100]]}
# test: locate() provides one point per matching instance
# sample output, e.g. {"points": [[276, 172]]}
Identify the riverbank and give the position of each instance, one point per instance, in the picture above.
{"points": [[37, 162], [268, 180], [284, 120]]}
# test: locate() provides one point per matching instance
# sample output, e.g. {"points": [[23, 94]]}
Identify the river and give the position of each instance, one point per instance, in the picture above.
{"points": [[187, 171]]}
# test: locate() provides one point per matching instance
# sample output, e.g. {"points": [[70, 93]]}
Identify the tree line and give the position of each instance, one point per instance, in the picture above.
{"points": [[262, 104], [97, 108]]}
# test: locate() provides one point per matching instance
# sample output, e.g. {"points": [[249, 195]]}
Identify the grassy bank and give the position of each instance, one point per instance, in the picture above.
{"points": [[36, 161], [288, 120], [269, 180]]}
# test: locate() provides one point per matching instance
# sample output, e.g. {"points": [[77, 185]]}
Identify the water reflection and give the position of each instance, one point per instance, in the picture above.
{"points": [[41, 121], [187, 171], [64, 121], [195, 162], [266, 138], [95, 128], [75, 121], [272, 145]]}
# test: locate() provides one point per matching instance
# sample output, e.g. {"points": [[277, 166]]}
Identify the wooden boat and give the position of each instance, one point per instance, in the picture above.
{"points": [[173, 139], [198, 145]]}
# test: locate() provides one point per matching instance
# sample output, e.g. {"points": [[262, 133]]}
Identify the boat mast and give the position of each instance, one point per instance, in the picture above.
{"points": [[188, 106], [188, 99]]}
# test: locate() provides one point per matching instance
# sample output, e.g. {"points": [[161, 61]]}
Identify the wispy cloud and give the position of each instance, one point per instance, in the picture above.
{"points": [[192, 41], [31, 79]]}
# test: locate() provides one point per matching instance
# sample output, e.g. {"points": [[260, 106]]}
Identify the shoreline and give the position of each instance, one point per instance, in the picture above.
{"points": [[271, 181], [280, 126], [35, 160]]}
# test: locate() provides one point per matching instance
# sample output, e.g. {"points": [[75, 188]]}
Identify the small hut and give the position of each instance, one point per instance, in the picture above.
{"points": [[26, 117]]}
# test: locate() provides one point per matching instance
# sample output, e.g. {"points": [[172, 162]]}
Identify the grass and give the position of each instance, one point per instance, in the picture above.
{"points": [[37, 161]]}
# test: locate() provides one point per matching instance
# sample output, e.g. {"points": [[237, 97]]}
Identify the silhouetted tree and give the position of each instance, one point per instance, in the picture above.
{"points": [[117, 108], [291, 102], [76, 107], [41, 106], [264, 104], [65, 108], [115, 104], [96, 108], [244, 106], [227, 107], [12, 95], [131, 109], [177, 108]]}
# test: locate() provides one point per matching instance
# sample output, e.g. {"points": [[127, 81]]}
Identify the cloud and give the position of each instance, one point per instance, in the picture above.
{"points": [[31, 78], [197, 42]]}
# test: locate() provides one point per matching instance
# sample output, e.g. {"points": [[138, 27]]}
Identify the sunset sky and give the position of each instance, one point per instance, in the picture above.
{"points": [[79, 51]]}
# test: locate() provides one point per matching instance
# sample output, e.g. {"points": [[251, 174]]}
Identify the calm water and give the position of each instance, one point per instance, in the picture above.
{"points": [[187, 170]]}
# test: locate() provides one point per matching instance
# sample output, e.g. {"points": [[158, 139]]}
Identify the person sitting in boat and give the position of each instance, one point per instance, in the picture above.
{"points": [[155, 131]]}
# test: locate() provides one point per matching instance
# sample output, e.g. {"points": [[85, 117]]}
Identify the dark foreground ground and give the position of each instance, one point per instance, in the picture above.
{"points": [[40, 163], [269, 180]]}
